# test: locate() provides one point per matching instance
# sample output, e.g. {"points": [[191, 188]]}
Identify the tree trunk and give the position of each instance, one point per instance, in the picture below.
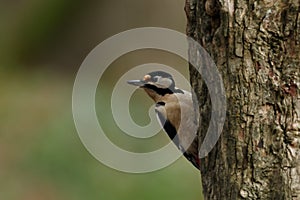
{"points": [[256, 46]]}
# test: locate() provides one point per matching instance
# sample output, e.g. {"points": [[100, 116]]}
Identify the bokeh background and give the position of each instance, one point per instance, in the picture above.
{"points": [[42, 44]]}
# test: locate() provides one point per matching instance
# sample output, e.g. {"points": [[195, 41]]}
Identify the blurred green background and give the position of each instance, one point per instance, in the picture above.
{"points": [[42, 44]]}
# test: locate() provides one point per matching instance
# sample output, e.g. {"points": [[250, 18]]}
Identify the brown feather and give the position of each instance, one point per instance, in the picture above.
{"points": [[180, 106]]}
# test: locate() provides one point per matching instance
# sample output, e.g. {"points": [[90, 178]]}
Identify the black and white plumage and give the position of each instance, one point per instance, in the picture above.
{"points": [[175, 111]]}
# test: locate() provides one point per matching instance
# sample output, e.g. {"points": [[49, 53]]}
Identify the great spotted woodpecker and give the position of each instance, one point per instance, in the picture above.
{"points": [[175, 111]]}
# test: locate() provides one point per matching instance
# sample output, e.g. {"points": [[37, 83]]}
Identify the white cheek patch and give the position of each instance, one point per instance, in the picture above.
{"points": [[165, 82]]}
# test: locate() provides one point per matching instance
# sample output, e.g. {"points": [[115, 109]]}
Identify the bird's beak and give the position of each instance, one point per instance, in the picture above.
{"points": [[139, 83]]}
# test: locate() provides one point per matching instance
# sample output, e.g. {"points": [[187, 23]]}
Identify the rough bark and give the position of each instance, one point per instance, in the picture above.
{"points": [[256, 46]]}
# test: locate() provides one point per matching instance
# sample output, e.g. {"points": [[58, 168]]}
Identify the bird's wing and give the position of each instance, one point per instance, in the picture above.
{"points": [[165, 123], [176, 115], [182, 114]]}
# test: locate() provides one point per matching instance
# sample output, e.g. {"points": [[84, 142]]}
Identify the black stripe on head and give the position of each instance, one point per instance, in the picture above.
{"points": [[163, 91], [169, 129], [160, 91]]}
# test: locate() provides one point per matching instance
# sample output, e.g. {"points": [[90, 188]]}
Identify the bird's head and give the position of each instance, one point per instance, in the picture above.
{"points": [[156, 84], [155, 80]]}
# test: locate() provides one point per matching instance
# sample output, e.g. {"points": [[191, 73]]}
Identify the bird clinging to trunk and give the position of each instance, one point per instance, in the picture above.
{"points": [[175, 111]]}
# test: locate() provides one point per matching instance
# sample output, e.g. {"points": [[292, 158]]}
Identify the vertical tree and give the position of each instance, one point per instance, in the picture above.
{"points": [[256, 46]]}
